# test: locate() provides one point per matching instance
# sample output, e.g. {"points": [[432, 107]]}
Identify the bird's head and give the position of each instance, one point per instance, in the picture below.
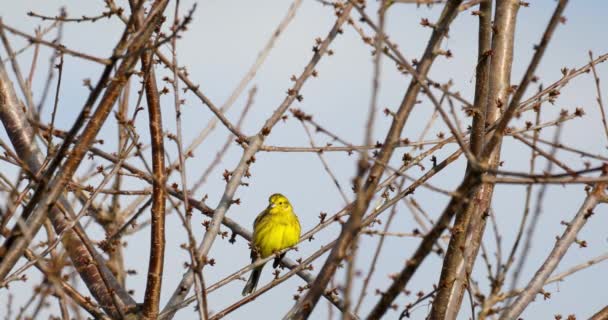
{"points": [[278, 203]]}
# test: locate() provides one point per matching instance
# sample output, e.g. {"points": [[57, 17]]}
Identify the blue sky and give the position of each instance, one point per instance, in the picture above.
{"points": [[220, 45]]}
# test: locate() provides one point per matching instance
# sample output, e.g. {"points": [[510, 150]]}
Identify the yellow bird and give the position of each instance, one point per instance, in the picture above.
{"points": [[276, 228]]}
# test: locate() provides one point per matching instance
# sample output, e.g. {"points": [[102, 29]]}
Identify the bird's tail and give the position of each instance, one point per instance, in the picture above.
{"points": [[252, 283]]}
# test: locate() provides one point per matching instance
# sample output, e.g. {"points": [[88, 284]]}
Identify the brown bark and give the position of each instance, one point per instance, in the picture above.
{"points": [[562, 244], [88, 263], [464, 246], [453, 280], [157, 239], [600, 315], [305, 306]]}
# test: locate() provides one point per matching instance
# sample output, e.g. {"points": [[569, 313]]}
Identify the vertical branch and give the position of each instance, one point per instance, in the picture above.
{"points": [[502, 269], [51, 70], [116, 261], [500, 128], [454, 275], [476, 227], [157, 233], [195, 265], [359, 182], [490, 93], [178, 118], [482, 77]]}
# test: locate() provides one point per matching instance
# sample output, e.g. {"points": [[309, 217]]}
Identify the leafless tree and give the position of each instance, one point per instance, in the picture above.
{"points": [[67, 180]]}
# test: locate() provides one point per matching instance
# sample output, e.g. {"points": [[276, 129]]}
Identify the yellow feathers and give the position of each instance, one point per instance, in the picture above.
{"points": [[275, 229]]}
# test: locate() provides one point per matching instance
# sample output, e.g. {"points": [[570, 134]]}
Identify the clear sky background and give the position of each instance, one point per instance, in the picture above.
{"points": [[222, 42]]}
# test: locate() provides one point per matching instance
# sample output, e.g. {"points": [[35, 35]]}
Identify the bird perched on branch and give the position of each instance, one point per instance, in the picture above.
{"points": [[276, 228]]}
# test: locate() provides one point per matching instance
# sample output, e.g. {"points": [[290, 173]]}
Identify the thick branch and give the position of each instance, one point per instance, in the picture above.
{"points": [[453, 279], [46, 198], [157, 234], [600, 315], [88, 263], [463, 253], [305, 306]]}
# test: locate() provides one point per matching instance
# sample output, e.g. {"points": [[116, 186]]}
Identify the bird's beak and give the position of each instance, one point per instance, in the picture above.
{"points": [[272, 205]]}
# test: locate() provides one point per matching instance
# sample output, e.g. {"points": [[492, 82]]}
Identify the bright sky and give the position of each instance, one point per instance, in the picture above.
{"points": [[220, 45]]}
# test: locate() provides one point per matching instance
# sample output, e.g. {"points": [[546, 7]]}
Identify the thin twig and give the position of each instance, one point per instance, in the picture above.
{"points": [[253, 145], [600, 104]]}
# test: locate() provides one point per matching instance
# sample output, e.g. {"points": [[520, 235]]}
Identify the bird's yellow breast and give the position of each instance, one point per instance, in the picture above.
{"points": [[275, 231]]}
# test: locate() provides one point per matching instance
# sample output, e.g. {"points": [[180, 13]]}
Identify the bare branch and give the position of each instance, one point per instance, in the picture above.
{"points": [[157, 234], [557, 253]]}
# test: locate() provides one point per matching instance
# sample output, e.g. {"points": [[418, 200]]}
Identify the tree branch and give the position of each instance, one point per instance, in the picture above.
{"points": [[556, 255], [157, 234], [253, 145]]}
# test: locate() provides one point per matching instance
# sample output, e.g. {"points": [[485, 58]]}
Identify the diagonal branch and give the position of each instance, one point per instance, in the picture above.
{"points": [[305, 306], [253, 145], [558, 252], [600, 315], [469, 186], [87, 261], [90, 265]]}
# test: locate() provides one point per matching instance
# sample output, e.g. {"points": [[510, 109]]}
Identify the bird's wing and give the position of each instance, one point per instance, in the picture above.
{"points": [[299, 225], [260, 216]]}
